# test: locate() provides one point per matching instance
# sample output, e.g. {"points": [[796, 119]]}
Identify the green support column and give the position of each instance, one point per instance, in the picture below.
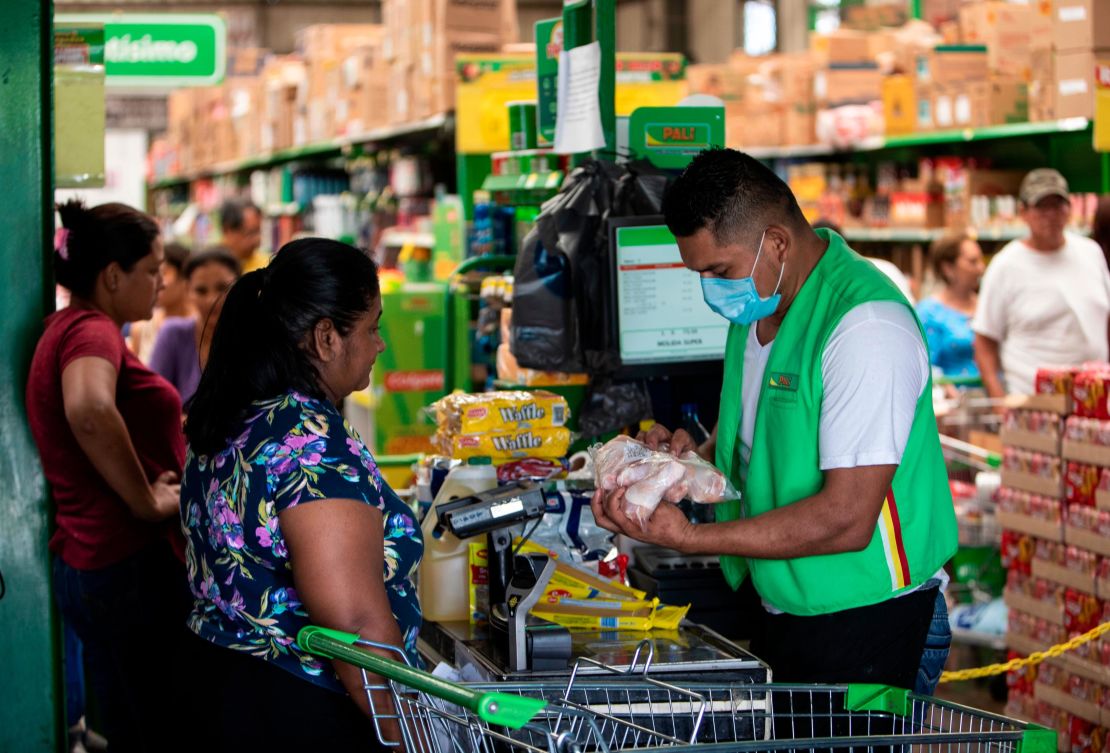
{"points": [[30, 687], [606, 20]]}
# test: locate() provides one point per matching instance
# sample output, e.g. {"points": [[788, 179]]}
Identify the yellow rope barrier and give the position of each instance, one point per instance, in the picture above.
{"points": [[1032, 660]]}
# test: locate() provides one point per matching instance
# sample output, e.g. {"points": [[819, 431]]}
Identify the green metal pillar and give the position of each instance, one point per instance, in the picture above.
{"points": [[30, 687], [606, 21]]}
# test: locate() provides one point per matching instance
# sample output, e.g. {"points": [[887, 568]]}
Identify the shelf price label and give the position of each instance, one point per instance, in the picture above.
{"points": [[161, 51]]}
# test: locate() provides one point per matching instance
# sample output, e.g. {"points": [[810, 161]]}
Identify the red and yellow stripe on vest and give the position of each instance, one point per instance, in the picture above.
{"points": [[890, 529]]}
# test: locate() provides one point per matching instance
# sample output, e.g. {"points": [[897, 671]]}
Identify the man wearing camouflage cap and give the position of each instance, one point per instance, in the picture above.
{"points": [[1045, 299]]}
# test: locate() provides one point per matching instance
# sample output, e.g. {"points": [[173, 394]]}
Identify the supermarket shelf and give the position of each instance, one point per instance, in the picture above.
{"points": [[962, 135], [920, 235], [332, 148]]}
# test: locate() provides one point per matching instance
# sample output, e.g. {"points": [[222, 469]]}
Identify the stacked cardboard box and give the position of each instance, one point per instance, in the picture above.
{"points": [[343, 79], [343, 62], [1055, 505], [1052, 45], [424, 38]]}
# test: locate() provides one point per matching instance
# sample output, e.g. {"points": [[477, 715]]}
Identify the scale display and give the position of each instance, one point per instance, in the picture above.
{"points": [[662, 316]]}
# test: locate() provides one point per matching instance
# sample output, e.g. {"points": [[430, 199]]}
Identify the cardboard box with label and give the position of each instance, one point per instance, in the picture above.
{"points": [[723, 81], [948, 64], [977, 104], [1080, 25], [844, 46], [1007, 31], [1064, 85], [848, 84]]}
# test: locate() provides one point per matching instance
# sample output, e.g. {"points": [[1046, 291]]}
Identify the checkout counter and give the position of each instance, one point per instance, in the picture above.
{"points": [[515, 646]]}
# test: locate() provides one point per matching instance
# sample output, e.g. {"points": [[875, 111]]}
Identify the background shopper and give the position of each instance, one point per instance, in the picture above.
{"points": [[182, 346], [108, 433], [173, 301], [1045, 299], [288, 518], [241, 231], [946, 315]]}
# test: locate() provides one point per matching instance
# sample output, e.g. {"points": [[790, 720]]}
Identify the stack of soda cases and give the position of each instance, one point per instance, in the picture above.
{"points": [[1054, 508]]}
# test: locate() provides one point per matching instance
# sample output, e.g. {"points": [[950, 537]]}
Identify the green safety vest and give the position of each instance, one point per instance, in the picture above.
{"points": [[916, 531]]}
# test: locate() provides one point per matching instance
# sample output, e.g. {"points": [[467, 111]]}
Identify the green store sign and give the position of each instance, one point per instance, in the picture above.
{"points": [[669, 137], [160, 50]]}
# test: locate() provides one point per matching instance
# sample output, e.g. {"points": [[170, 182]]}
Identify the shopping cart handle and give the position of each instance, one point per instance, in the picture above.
{"points": [[512, 711]]}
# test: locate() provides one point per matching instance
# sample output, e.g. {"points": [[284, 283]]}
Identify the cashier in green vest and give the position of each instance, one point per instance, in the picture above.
{"points": [[826, 428]]}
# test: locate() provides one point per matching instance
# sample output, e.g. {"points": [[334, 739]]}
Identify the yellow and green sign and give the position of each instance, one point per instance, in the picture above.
{"points": [[160, 50]]}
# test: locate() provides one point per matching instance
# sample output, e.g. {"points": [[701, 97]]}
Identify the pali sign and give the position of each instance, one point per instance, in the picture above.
{"points": [[160, 50]]}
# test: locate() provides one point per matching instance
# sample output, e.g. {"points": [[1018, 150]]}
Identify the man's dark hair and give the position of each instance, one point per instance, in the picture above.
{"points": [[732, 194], [213, 255], [233, 213]]}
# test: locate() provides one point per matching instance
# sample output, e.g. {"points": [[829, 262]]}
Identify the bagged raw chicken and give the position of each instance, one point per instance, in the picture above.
{"points": [[649, 477]]}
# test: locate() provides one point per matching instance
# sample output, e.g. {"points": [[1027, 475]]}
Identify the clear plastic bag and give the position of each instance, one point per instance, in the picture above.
{"points": [[650, 477]]}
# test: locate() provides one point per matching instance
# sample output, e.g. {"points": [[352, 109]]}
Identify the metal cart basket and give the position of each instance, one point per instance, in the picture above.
{"points": [[601, 709]]}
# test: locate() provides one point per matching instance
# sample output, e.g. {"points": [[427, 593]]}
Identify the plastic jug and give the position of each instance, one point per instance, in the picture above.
{"points": [[443, 585]]}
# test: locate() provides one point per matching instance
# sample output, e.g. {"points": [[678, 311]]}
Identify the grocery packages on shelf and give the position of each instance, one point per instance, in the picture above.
{"points": [[1082, 481], [649, 477], [1088, 430], [1034, 421], [1028, 461], [1091, 393], [1054, 380], [1029, 504], [502, 426]]}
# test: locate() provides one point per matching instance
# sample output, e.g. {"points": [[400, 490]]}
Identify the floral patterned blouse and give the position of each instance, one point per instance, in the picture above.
{"points": [[292, 450]]}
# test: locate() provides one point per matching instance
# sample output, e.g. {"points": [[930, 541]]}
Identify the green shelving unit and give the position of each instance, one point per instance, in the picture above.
{"points": [[933, 138], [347, 145]]}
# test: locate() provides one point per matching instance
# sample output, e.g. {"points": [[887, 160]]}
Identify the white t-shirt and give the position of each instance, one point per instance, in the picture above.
{"points": [[1045, 308], [875, 368], [895, 275]]}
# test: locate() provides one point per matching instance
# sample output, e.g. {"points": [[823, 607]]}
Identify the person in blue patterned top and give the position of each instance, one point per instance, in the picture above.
{"points": [[287, 517], [946, 316]]}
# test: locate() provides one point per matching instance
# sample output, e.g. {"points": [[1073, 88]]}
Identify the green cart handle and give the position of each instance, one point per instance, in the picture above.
{"points": [[959, 381], [502, 709]]}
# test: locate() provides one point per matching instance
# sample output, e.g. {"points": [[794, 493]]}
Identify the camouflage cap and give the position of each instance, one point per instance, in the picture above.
{"points": [[1041, 183]]}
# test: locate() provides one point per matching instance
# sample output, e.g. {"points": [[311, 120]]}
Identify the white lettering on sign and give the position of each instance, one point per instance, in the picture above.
{"points": [[124, 49]]}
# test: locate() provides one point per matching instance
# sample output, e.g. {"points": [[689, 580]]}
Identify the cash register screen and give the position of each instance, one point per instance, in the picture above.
{"points": [[661, 315]]}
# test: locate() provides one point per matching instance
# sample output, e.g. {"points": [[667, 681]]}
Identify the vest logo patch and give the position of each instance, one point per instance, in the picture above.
{"points": [[780, 381]]}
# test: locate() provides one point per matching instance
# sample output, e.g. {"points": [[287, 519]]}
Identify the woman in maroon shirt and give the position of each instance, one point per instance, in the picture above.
{"points": [[109, 435]]}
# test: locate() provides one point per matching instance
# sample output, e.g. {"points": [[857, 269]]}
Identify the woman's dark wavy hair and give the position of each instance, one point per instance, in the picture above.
{"points": [[97, 237], [259, 347]]}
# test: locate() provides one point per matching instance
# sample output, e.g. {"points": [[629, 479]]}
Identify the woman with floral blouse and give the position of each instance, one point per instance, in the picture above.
{"points": [[288, 520]]}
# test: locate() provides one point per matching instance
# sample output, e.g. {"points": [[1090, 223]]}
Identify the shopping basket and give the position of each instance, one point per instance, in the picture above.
{"points": [[601, 709]]}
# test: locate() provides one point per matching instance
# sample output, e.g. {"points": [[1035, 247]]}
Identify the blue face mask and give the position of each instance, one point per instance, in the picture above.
{"points": [[738, 300]]}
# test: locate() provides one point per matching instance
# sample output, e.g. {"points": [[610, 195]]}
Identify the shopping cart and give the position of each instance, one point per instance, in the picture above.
{"points": [[600, 709]]}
